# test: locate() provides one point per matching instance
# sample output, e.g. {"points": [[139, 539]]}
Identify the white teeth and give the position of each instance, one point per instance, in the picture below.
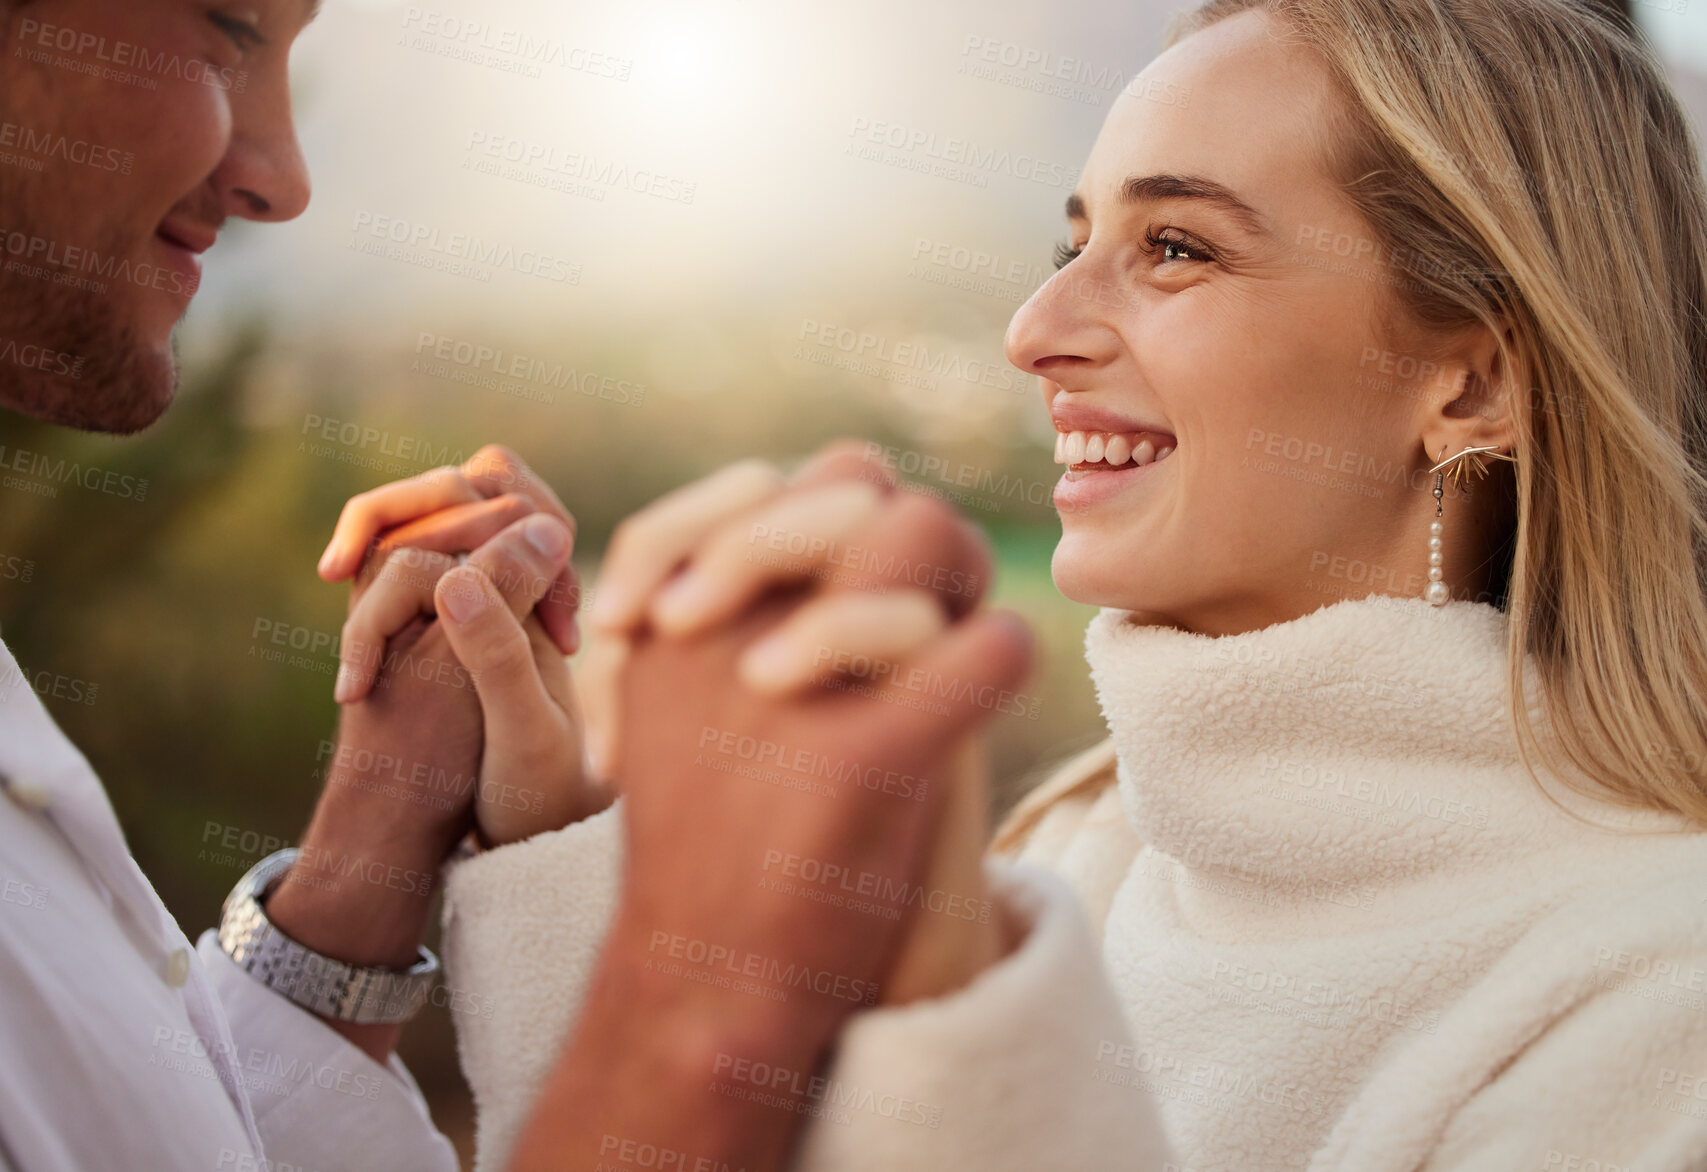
{"points": [[1102, 447]]}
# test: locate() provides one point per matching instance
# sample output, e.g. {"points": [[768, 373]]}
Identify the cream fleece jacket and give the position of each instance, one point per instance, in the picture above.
{"points": [[1318, 918]]}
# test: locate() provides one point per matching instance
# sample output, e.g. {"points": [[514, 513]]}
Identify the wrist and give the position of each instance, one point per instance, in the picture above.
{"points": [[714, 1009], [650, 1064], [356, 898]]}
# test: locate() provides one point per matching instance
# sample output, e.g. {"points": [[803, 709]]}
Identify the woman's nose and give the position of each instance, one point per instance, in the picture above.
{"points": [[1064, 325]]}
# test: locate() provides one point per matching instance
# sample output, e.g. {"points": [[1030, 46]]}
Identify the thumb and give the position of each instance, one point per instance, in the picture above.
{"points": [[530, 740]]}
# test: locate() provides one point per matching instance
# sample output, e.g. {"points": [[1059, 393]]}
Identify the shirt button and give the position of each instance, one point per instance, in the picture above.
{"points": [[28, 795], [178, 968]]}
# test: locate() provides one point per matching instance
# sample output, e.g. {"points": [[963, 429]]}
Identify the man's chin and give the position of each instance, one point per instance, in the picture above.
{"points": [[119, 381], [117, 390]]}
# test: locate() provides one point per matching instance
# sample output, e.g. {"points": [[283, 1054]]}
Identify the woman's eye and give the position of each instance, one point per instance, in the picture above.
{"points": [[242, 33], [1173, 246], [1066, 254]]}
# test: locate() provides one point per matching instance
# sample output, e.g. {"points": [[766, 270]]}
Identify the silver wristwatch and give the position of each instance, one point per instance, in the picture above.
{"points": [[321, 985]]}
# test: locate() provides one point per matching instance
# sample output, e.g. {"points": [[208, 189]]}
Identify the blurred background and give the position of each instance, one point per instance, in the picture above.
{"points": [[634, 242]]}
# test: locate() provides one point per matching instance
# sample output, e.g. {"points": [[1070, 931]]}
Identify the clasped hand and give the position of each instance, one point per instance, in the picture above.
{"points": [[783, 679]]}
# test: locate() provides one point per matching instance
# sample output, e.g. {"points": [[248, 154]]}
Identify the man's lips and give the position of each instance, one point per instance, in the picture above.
{"points": [[192, 238], [183, 243]]}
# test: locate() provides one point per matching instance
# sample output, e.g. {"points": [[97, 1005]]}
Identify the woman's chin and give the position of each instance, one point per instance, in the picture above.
{"points": [[1087, 570]]}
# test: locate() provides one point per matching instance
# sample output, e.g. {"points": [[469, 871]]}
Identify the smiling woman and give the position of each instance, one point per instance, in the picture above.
{"points": [[1402, 882]]}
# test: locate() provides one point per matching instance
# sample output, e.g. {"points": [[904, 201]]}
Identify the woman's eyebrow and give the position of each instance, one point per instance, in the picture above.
{"points": [[1144, 188]]}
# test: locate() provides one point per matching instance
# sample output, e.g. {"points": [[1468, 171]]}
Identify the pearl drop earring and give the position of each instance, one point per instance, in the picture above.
{"points": [[1437, 593], [1470, 458]]}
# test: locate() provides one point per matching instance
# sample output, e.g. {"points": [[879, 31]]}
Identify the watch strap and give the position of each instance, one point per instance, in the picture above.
{"points": [[320, 984]]}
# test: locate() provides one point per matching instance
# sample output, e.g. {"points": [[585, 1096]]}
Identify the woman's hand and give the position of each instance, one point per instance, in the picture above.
{"points": [[491, 608]]}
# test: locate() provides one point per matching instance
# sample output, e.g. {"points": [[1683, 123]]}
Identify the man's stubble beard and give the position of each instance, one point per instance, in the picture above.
{"points": [[123, 384]]}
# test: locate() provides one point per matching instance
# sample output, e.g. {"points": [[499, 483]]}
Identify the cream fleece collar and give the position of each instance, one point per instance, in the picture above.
{"points": [[1368, 742]]}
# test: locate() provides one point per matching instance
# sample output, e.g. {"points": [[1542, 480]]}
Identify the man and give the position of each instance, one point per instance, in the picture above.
{"points": [[129, 133], [269, 1045]]}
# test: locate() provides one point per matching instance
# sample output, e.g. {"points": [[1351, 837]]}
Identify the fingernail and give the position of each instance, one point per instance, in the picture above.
{"points": [[770, 665], [464, 599], [326, 561], [574, 635], [545, 535], [345, 689]]}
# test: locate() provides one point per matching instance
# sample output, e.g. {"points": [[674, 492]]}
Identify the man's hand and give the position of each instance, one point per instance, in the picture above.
{"points": [[458, 703], [760, 794], [749, 528], [532, 777]]}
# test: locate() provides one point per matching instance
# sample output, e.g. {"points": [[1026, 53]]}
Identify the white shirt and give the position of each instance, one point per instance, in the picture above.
{"points": [[123, 1047]]}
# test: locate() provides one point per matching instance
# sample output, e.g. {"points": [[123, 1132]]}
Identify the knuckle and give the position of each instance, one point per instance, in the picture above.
{"points": [[511, 566], [496, 455], [755, 473], [503, 653], [497, 463], [466, 582], [444, 473], [628, 538]]}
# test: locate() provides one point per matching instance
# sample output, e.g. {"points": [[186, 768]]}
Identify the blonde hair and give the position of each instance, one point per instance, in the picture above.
{"points": [[1530, 160]]}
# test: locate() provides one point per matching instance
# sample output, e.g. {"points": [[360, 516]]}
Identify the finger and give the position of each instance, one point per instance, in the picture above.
{"points": [[460, 528], [528, 561], [786, 541], [401, 591], [845, 536], [366, 515], [496, 470], [846, 459], [834, 634], [646, 548], [965, 671], [455, 530], [598, 684], [922, 543], [522, 720]]}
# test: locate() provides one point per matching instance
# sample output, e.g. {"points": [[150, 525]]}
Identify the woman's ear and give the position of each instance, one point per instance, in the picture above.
{"points": [[1475, 404]]}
